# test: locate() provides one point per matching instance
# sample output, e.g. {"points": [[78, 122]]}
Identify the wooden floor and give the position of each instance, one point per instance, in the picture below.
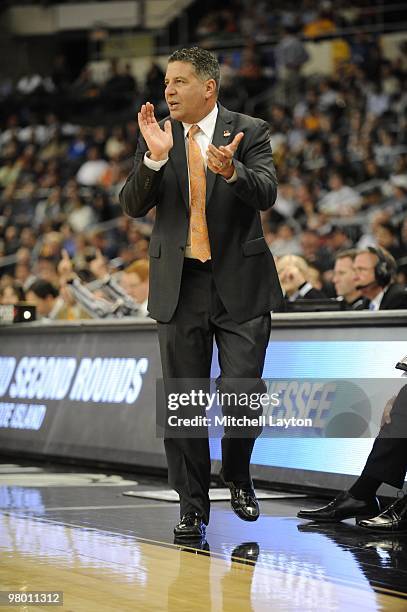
{"points": [[107, 552]]}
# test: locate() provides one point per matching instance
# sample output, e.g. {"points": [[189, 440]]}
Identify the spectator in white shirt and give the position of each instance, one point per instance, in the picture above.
{"points": [[91, 171], [341, 201]]}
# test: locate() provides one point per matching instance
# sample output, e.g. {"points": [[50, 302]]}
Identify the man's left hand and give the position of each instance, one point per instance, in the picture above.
{"points": [[220, 160], [386, 416]]}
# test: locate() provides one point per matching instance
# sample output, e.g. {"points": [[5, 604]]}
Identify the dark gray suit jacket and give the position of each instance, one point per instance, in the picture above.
{"points": [[243, 267], [395, 298]]}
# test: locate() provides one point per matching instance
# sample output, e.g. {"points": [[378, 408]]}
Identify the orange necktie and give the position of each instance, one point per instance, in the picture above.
{"points": [[200, 248]]}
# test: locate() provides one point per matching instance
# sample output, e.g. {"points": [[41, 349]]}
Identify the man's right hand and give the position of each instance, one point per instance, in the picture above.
{"points": [[159, 141], [291, 279]]}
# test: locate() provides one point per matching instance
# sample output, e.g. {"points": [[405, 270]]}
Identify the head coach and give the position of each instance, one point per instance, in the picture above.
{"points": [[209, 172]]}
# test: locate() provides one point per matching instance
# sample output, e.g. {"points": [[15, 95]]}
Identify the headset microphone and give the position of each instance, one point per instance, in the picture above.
{"points": [[372, 284]]}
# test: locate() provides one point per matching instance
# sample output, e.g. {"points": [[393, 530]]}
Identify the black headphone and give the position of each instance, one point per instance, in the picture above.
{"points": [[384, 269]]}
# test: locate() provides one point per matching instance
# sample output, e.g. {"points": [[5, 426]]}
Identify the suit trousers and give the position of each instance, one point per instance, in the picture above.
{"points": [[387, 460], [186, 347]]}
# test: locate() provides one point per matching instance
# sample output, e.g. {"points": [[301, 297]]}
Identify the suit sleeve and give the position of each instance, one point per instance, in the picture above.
{"points": [[140, 191], [256, 183]]}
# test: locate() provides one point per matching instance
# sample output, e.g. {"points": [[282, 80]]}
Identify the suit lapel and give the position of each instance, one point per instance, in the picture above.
{"points": [[222, 135], [178, 158]]}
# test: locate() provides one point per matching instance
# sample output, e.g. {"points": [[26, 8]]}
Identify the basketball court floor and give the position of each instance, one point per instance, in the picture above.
{"points": [[74, 533]]}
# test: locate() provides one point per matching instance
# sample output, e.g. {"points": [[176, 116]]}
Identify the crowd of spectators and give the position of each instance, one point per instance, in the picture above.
{"points": [[314, 19], [59, 188], [341, 158], [80, 98]]}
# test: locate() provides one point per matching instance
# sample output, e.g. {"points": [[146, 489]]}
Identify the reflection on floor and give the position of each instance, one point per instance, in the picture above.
{"points": [[114, 553]]}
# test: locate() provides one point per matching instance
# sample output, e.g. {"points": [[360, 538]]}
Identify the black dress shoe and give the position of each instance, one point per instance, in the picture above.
{"points": [[190, 527], [393, 519], [244, 501], [247, 552], [344, 506]]}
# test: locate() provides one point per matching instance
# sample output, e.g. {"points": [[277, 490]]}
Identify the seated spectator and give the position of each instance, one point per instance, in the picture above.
{"points": [[342, 200], [375, 271], [12, 294], [80, 216], [44, 296], [85, 86], [115, 144], [313, 250], [45, 268], [294, 277], [285, 242], [338, 239], [91, 171], [78, 146], [23, 275], [49, 208], [118, 84], [323, 24], [344, 279], [387, 238], [135, 281]]}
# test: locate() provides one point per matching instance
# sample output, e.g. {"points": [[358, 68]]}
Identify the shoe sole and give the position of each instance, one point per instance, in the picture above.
{"points": [[383, 531], [335, 520]]}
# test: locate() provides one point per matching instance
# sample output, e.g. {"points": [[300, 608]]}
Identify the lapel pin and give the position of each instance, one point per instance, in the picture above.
{"points": [[226, 133]]}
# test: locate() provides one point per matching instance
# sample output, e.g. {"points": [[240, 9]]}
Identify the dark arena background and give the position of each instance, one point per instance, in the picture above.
{"points": [[86, 514]]}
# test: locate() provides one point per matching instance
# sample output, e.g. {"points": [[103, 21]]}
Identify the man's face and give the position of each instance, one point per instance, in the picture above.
{"points": [[43, 305], [344, 276], [189, 98], [364, 266], [335, 182], [132, 284], [9, 296], [309, 244]]}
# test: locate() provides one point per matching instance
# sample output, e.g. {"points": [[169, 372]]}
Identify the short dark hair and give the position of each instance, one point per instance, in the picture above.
{"points": [[43, 289], [205, 63]]}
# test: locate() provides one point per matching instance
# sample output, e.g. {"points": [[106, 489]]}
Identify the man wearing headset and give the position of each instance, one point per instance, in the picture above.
{"points": [[375, 270]]}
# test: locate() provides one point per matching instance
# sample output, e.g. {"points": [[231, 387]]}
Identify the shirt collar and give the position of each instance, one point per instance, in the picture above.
{"points": [[207, 124], [377, 301]]}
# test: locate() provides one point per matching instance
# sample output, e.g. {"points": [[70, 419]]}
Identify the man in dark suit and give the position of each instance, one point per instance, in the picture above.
{"points": [[375, 271], [344, 281], [386, 463], [211, 271]]}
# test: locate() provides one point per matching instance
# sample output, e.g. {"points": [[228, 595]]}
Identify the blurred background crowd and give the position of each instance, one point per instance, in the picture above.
{"points": [[339, 139]]}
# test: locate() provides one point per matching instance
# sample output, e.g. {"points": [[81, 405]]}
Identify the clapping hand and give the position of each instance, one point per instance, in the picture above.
{"points": [[65, 267], [220, 159], [98, 266], [159, 141]]}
